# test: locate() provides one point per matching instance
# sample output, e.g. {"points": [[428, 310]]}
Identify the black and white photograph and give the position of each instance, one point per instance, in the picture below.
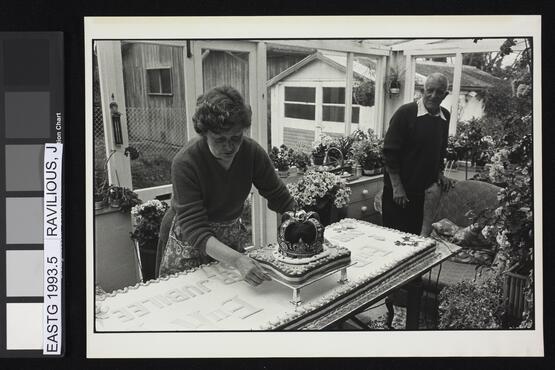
{"points": [[313, 185]]}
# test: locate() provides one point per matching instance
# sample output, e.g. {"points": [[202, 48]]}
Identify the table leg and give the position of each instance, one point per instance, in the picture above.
{"points": [[390, 312], [414, 298]]}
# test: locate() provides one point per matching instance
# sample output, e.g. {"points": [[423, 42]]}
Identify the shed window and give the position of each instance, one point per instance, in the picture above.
{"points": [[300, 102], [159, 81], [333, 105]]}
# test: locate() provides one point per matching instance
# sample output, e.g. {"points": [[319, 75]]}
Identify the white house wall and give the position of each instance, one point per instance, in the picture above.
{"points": [[317, 74], [316, 71]]}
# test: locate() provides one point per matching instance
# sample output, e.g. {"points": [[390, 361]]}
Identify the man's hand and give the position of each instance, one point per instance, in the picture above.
{"points": [[445, 183], [400, 196]]}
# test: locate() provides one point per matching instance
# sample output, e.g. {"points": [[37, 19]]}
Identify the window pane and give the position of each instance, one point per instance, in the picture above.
{"points": [[355, 115], [334, 95], [153, 76], [301, 94], [300, 111], [333, 114], [166, 81]]}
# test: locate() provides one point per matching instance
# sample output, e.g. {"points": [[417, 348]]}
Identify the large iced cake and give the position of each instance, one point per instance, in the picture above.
{"points": [[214, 297]]}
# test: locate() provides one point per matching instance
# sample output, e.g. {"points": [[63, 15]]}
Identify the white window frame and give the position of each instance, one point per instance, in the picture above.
{"points": [[299, 102]]}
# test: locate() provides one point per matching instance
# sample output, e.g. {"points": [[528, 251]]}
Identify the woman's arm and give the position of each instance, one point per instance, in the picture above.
{"points": [[249, 269]]}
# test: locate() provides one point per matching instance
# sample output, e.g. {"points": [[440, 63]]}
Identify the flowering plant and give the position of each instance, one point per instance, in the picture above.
{"points": [[147, 220], [281, 157], [318, 186], [368, 152], [320, 145], [300, 159]]}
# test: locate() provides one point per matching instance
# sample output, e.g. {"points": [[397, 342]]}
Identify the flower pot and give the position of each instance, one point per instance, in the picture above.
{"points": [[372, 172], [99, 201], [283, 173], [394, 90], [318, 159], [148, 259], [327, 211], [115, 203]]}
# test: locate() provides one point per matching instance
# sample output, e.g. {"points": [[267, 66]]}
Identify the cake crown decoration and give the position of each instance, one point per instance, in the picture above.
{"points": [[300, 234]]}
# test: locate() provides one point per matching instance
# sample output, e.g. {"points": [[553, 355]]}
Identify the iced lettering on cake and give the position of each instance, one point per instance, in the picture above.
{"points": [[164, 300], [225, 274], [138, 309], [236, 304], [218, 315], [123, 315], [368, 254], [176, 295], [203, 287], [152, 301], [192, 291], [197, 321]]}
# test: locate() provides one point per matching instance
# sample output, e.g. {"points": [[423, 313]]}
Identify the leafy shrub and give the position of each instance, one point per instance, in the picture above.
{"points": [[472, 305]]}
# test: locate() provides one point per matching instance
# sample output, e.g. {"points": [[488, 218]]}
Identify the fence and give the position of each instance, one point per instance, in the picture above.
{"points": [[157, 134]]}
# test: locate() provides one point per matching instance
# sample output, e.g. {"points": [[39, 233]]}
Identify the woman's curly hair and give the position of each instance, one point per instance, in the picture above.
{"points": [[220, 109]]}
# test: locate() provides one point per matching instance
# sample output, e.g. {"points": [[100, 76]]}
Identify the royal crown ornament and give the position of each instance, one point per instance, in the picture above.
{"points": [[300, 234]]}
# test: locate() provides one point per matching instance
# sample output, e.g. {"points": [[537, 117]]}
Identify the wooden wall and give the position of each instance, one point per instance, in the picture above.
{"points": [[154, 117]]}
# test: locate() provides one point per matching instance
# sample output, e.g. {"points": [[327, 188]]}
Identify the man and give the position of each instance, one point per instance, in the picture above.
{"points": [[414, 150]]}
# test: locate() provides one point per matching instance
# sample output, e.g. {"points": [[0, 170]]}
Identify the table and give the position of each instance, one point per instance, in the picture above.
{"points": [[365, 297]]}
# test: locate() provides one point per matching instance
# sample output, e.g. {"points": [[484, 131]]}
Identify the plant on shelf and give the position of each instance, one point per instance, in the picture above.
{"points": [[122, 197], [344, 144], [301, 160], [319, 148], [368, 153], [105, 193], [281, 159], [147, 219], [100, 192], [320, 192]]}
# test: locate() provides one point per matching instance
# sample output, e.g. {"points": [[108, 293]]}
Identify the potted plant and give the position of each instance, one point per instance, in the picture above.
{"points": [[301, 160], [344, 144], [100, 195], [319, 148], [122, 198], [368, 154], [147, 218], [281, 159], [322, 192]]}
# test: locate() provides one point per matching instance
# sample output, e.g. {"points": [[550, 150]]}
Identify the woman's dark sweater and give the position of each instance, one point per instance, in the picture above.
{"points": [[203, 191], [415, 148]]}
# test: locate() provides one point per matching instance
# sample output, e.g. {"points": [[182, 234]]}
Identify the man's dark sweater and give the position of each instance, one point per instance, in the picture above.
{"points": [[203, 191], [415, 147]]}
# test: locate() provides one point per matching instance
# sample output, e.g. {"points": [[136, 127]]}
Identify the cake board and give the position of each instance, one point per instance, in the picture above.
{"points": [[296, 299], [299, 275]]}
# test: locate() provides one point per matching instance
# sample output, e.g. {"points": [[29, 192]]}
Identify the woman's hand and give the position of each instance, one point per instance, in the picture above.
{"points": [[250, 270]]}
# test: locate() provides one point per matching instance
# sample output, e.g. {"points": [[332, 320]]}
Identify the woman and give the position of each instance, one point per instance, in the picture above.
{"points": [[212, 177]]}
